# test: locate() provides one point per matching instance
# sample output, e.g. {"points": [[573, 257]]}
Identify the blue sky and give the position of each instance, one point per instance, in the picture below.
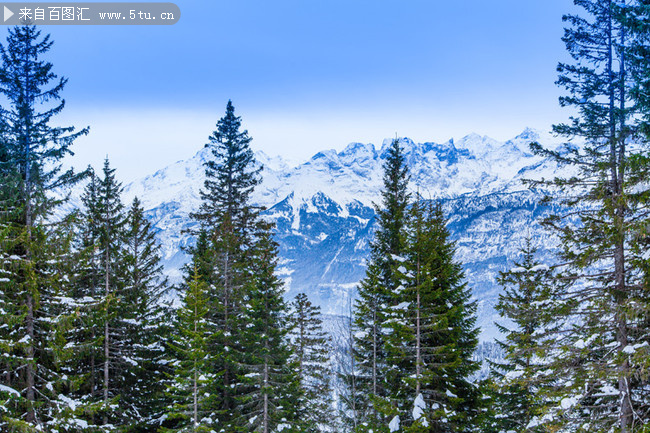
{"points": [[310, 74]]}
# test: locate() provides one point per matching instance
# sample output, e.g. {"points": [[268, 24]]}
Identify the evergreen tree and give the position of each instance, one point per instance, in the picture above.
{"points": [[111, 229], [312, 348], [377, 289], [596, 354], [34, 146], [520, 381], [433, 334], [117, 336], [231, 177], [270, 387], [84, 338], [144, 320], [191, 362], [234, 255], [31, 154], [227, 218]]}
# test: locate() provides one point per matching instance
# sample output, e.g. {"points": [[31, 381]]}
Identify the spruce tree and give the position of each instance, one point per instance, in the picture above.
{"points": [[520, 381], [191, 363], [111, 229], [227, 218], [377, 289], [433, 334], [84, 337], [231, 177], [312, 348], [596, 354], [32, 150], [270, 386], [235, 257], [117, 335], [145, 324]]}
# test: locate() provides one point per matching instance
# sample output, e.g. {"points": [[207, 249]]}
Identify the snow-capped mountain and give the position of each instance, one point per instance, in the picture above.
{"points": [[323, 209]]}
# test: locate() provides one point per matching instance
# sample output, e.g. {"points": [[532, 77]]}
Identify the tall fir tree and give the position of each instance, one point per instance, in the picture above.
{"points": [[145, 322], [312, 348], [111, 229], [231, 240], [269, 383], [596, 359], [32, 150], [189, 411], [226, 224], [116, 338], [521, 380], [433, 336], [377, 289]]}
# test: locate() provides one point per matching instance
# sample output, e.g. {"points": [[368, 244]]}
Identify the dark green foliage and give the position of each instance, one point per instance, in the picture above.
{"points": [[190, 361], [605, 188], [520, 382], [230, 177], [377, 289], [33, 93], [269, 384], [33, 253], [254, 387], [434, 331], [116, 337], [145, 325]]}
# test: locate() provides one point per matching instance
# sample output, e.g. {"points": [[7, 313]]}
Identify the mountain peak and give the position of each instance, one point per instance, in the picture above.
{"points": [[529, 134]]}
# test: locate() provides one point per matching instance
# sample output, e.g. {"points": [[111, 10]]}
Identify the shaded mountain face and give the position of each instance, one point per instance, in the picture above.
{"points": [[323, 210]]}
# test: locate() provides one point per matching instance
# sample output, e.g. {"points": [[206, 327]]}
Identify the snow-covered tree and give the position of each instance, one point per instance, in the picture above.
{"points": [[269, 384], [190, 360], [30, 167], [312, 350], [596, 355], [521, 381], [433, 334], [377, 289]]}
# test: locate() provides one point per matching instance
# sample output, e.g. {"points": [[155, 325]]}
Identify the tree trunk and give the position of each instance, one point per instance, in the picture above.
{"points": [[195, 390], [374, 352], [106, 334], [30, 373], [30, 392], [418, 333], [265, 419]]}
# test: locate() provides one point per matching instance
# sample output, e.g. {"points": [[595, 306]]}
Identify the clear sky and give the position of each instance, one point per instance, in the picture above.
{"points": [[308, 75]]}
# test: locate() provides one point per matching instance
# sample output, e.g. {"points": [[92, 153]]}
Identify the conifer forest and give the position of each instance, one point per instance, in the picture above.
{"points": [[95, 338]]}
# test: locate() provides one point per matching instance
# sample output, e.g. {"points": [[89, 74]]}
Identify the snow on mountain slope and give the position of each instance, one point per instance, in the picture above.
{"points": [[325, 219]]}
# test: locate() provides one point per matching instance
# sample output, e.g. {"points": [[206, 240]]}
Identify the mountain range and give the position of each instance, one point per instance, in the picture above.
{"points": [[324, 214]]}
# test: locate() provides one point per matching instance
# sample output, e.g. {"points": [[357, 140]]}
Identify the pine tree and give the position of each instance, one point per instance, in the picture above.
{"points": [[234, 255], [32, 150], [520, 381], [191, 362], [81, 363], [117, 337], [595, 355], [269, 383], [377, 289], [144, 321], [433, 334], [312, 348]]}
